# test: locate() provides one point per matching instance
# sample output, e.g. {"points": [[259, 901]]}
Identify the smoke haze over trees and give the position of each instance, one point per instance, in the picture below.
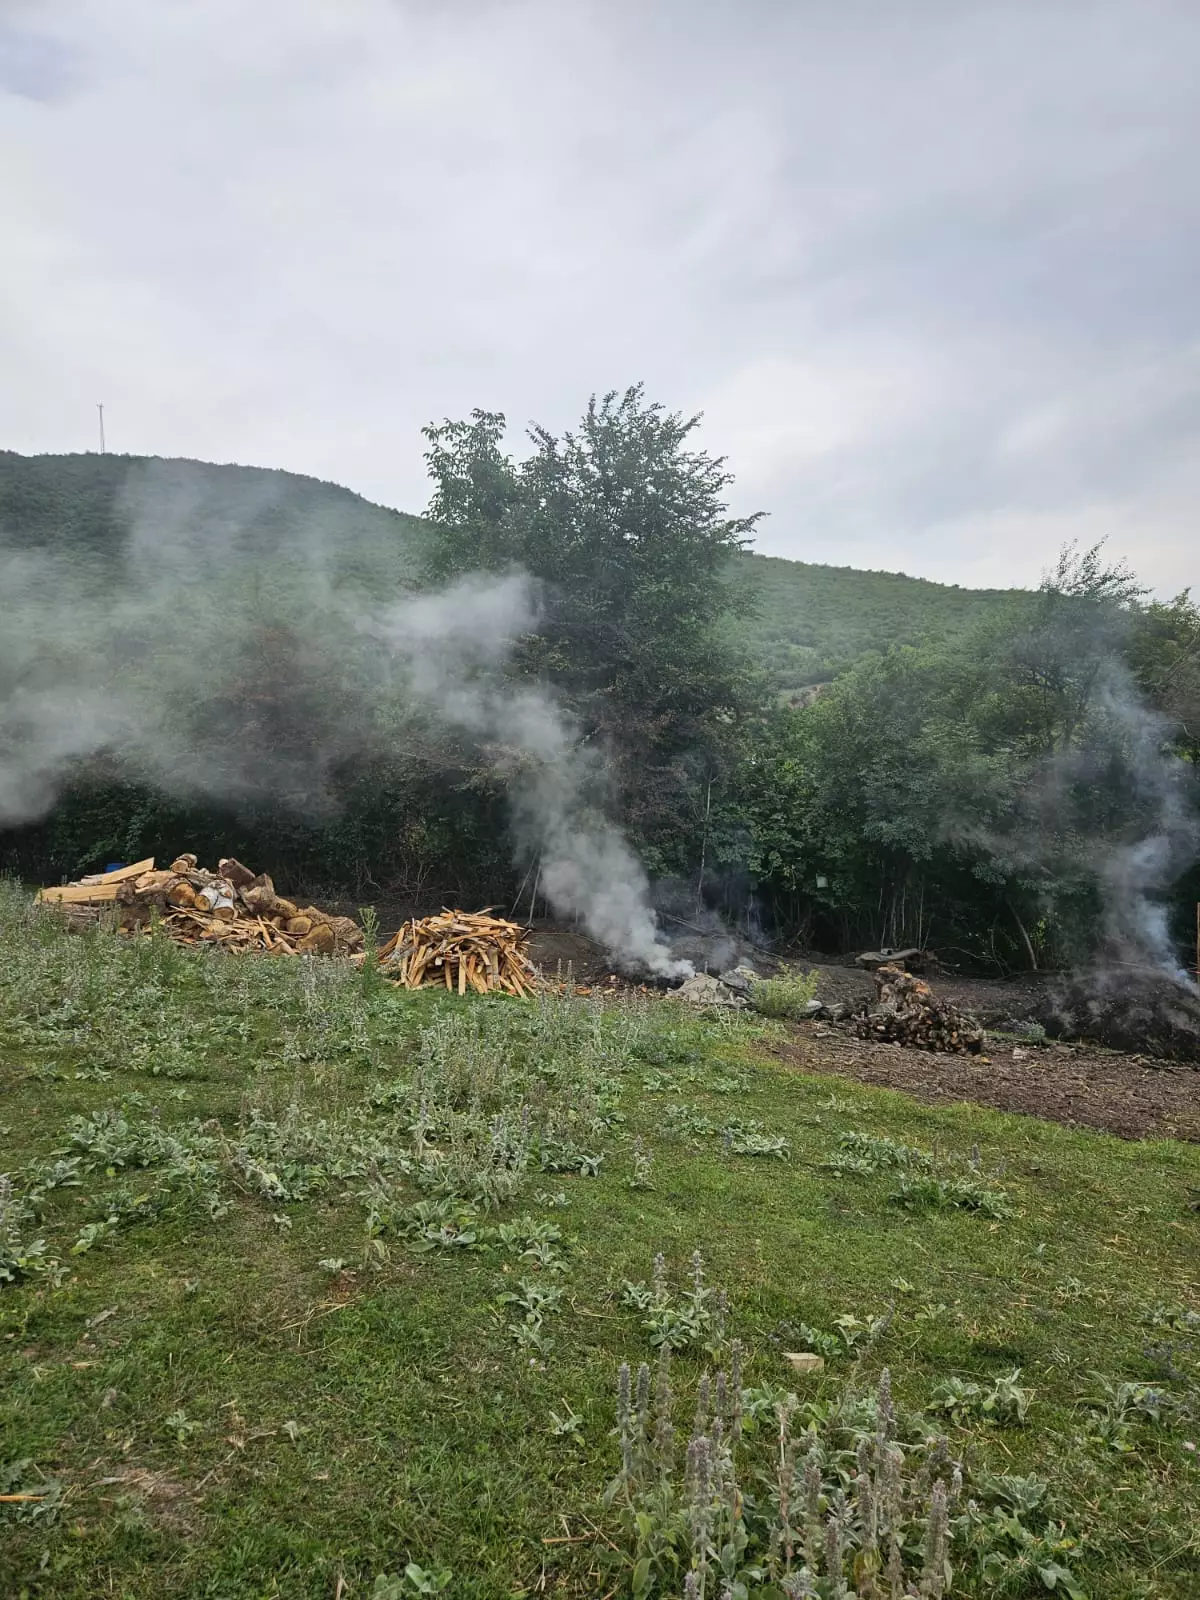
{"points": [[570, 667], [623, 523]]}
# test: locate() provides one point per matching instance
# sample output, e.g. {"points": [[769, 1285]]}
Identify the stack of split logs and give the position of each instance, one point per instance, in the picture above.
{"points": [[461, 950], [906, 1012], [232, 907]]}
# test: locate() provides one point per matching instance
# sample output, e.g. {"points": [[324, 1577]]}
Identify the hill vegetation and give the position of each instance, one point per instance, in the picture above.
{"points": [[809, 622], [220, 658], [805, 624], [99, 509]]}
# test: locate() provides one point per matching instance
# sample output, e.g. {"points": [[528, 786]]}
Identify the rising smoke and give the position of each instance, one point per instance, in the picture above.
{"points": [[1134, 846], [1133, 993], [146, 650], [1112, 812], [455, 644], [1138, 872]]}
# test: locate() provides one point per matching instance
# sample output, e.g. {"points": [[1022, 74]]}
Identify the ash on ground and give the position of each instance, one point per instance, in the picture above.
{"points": [[1141, 1010]]}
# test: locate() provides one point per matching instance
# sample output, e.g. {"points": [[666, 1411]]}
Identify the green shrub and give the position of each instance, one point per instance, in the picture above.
{"points": [[784, 998]]}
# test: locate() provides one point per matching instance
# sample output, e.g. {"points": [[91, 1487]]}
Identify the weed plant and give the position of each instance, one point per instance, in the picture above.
{"points": [[308, 1282], [749, 1492], [784, 999]]}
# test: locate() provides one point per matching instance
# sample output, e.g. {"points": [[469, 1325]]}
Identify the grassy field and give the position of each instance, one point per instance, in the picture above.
{"points": [[319, 1289]]}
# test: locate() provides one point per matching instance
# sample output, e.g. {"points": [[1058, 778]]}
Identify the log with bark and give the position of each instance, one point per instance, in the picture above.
{"points": [[910, 960], [232, 907]]}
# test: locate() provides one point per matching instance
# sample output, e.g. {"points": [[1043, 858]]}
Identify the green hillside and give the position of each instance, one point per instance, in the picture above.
{"points": [[106, 506], [810, 622]]}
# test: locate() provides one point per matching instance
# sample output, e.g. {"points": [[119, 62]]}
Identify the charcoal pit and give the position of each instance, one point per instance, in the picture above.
{"points": [[1128, 1008]]}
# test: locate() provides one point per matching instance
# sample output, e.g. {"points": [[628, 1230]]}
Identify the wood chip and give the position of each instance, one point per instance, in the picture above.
{"points": [[460, 950], [804, 1361]]}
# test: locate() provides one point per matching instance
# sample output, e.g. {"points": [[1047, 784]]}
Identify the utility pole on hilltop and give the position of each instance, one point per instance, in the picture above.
{"points": [[100, 409]]}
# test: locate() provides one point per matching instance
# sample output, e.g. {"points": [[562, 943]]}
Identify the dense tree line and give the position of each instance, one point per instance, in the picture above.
{"points": [[974, 794], [971, 788]]}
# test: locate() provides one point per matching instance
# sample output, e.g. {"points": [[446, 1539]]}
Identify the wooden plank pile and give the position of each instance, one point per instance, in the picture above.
{"points": [[906, 1012], [461, 950], [232, 907]]}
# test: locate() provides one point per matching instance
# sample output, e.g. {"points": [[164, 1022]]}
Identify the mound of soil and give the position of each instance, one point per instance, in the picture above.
{"points": [[1145, 1012]]}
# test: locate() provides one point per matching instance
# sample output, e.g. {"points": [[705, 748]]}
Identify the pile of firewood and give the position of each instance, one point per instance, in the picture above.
{"points": [[232, 907], [906, 1012], [460, 950]]}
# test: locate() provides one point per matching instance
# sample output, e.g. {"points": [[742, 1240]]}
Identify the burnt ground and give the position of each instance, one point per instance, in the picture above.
{"points": [[1077, 1084]]}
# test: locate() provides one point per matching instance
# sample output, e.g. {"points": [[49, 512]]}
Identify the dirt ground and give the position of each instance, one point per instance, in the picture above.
{"points": [[1132, 1096], [1077, 1085]]}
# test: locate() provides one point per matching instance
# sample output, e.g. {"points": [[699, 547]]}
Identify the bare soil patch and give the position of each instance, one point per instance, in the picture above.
{"points": [[1077, 1085], [163, 1501]]}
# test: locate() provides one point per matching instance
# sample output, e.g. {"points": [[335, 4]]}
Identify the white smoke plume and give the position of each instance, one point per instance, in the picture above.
{"points": [[1136, 874], [454, 644], [1134, 993], [139, 655], [1041, 829]]}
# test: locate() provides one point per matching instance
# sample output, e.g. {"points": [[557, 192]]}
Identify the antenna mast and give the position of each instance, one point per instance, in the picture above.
{"points": [[100, 409]]}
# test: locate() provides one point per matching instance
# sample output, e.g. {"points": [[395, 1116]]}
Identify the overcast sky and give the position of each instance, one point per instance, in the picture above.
{"points": [[930, 269]]}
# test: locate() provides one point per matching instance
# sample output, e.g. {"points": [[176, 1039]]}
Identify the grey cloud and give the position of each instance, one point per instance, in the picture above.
{"points": [[927, 269], [33, 66]]}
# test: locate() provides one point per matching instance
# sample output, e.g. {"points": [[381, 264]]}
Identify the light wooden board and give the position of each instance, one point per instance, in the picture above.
{"points": [[119, 874], [79, 894]]}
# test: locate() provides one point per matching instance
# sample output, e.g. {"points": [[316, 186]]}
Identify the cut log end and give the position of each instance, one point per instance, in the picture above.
{"points": [[233, 908]]}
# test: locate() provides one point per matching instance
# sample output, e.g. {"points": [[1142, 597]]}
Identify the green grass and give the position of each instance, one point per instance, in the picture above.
{"points": [[211, 1412]]}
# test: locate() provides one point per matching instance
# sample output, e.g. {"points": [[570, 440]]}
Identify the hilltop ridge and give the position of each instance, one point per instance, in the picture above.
{"points": [[811, 620]]}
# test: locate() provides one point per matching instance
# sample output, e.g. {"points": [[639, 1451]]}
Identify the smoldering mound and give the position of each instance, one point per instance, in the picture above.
{"points": [[1139, 1009]]}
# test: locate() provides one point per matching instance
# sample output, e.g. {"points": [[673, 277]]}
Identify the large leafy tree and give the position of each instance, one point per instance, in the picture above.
{"points": [[624, 523], [1059, 659]]}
